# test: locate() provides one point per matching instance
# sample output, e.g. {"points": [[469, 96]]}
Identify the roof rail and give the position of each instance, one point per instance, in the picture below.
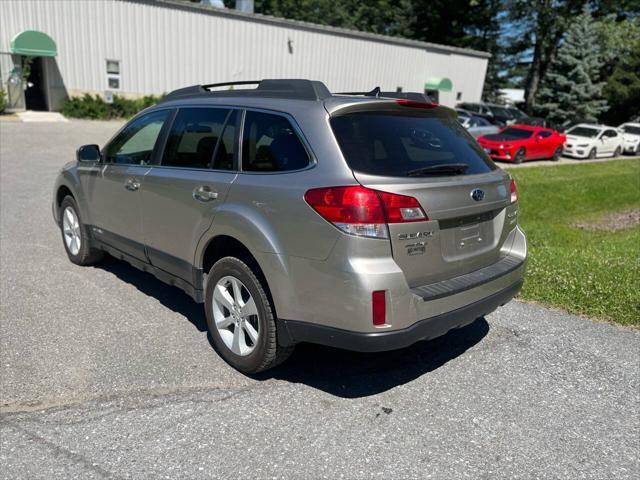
{"points": [[296, 89]]}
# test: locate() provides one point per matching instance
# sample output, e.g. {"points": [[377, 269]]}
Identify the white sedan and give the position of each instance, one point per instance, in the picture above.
{"points": [[631, 137], [593, 141]]}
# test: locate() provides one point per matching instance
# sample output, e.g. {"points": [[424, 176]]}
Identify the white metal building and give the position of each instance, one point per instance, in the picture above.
{"points": [[137, 47]]}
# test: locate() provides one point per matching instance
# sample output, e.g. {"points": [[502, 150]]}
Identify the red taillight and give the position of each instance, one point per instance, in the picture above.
{"points": [[401, 209], [514, 191], [346, 204], [413, 104], [358, 210], [379, 307]]}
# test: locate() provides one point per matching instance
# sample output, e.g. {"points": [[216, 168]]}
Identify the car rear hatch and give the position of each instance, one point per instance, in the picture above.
{"points": [[421, 151]]}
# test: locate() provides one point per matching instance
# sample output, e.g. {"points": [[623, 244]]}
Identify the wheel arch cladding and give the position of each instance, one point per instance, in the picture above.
{"points": [[222, 246]]}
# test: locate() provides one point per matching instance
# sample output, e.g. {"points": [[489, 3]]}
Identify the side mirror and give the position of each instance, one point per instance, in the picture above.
{"points": [[88, 153]]}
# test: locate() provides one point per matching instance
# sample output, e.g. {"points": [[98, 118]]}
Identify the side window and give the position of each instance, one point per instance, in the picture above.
{"points": [[270, 144], [611, 133], [134, 145], [193, 138], [544, 134], [225, 152]]}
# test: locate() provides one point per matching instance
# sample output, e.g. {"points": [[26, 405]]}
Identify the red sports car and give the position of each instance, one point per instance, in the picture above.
{"points": [[523, 142]]}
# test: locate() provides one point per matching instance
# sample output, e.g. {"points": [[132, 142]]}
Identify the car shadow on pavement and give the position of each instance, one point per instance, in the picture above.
{"points": [[353, 375], [171, 297], [338, 372]]}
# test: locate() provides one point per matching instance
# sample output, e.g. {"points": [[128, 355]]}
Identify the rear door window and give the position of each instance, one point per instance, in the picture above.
{"points": [[270, 144], [400, 144], [194, 137]]}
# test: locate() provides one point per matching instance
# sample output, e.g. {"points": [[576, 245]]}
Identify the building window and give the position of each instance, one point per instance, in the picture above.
{"points": [[399, 89], [113, 74], [459, 96], [113, 67]]}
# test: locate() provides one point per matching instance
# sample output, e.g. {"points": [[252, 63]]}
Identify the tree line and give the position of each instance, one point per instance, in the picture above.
{"points": [[575, 59]]}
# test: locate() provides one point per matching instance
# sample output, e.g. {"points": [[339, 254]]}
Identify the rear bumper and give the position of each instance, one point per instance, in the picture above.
{"points": [[291, 331]]}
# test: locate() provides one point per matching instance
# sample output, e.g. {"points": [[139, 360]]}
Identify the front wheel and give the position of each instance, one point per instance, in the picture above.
{"points": [[617, 152], [240, 318], [556, 154], [592, 154], [75, 238], [519, 158]]}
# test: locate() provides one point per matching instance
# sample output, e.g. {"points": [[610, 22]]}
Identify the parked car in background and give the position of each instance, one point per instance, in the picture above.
{"points": [[630, 137], [297, 215], [478, 126], [587, 140], [534, 122], [518, 143], [496, 114], [517, 114]]}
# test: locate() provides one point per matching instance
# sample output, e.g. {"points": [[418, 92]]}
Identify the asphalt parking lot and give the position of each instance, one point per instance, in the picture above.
{"points": [[108, 373]]}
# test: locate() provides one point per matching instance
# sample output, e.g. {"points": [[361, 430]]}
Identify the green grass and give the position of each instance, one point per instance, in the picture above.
{"points": [[594, 273]]}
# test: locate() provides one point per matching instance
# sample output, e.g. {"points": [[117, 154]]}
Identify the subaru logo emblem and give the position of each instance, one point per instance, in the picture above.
{"points": [[477, 194]]}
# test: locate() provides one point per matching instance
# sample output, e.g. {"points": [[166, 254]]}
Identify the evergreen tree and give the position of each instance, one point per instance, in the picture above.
{"points": [[571, 90]]}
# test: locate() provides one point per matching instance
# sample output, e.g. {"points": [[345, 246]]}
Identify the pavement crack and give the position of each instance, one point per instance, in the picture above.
{"points": [[74, 457]]}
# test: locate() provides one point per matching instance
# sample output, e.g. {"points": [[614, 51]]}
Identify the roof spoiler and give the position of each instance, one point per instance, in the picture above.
{"points": [[377, 93]]}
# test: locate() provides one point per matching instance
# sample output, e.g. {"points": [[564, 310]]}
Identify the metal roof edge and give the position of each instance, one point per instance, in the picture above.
{"points": [[285, 22]]}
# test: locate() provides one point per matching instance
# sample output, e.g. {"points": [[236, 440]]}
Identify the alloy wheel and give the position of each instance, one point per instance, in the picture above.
{"points": [[236, 315], [71, 229]]}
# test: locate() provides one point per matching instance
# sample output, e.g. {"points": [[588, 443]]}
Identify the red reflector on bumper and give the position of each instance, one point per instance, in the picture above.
{"points": [[379, 307]]}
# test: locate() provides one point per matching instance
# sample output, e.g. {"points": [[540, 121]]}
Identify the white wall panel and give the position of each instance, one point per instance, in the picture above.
{"points": [[161, 48]]}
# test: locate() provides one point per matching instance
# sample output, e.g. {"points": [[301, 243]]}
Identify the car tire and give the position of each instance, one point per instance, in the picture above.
{"points": [[617, 152], [556, 154], [519, 156], [75, 235], [249, 342], [592, 154]]}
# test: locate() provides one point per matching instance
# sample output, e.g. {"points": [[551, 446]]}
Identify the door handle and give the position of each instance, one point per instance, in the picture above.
{"points": [[132, 184], [204, 194]]}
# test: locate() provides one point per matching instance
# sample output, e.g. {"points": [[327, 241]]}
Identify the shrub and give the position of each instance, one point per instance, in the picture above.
{"points": [[3, 100], [94, 107]]}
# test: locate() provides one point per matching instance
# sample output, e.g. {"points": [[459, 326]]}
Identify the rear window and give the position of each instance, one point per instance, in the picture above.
{"points": [[400, 144], [501, 112]]}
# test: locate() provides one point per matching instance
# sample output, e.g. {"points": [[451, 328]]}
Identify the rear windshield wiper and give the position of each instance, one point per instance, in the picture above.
{"points": [[452, 168]]}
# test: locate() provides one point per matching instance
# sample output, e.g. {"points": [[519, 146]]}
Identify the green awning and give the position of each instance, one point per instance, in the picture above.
{"points": [[33, 44], [442, 84]]}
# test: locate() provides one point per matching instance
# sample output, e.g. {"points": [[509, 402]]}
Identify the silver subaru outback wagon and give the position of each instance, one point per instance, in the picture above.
{"points": [[364, 221]]}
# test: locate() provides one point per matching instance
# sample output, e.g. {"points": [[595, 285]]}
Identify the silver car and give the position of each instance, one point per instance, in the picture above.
{"points": [[362, 221], [478, 126]]}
